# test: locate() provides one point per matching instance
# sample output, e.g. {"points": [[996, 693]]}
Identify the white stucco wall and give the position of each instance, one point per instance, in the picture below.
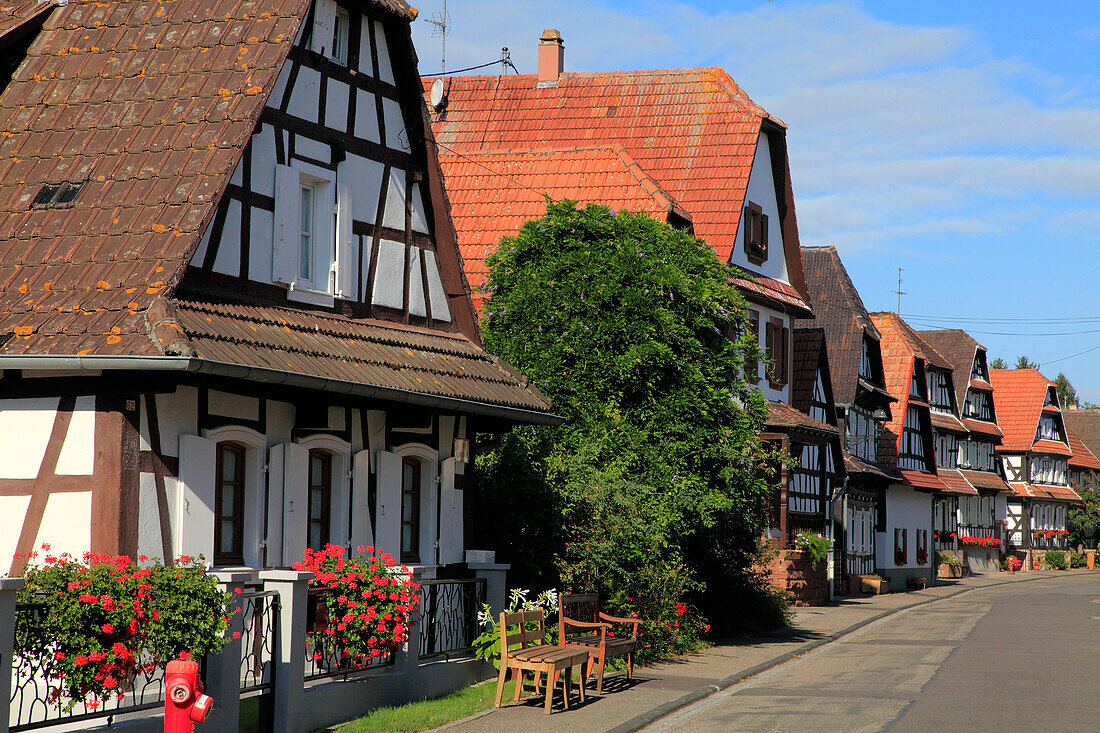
{"points": [[766, 314], [905, 509], [761, 191]]}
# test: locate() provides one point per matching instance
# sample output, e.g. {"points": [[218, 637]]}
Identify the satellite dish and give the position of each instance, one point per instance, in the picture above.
{"points": [[437, 97]]}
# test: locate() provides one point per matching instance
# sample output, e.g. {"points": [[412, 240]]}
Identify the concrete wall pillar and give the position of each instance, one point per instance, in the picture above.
{"points": [[496, 577], [8, 589], [290, 667], [223, 670]]}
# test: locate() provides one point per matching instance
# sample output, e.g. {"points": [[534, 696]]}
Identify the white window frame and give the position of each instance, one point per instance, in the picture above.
{"points": [[341, 35], [429, 498], [255, 452], [324, 234], [340, 452]]}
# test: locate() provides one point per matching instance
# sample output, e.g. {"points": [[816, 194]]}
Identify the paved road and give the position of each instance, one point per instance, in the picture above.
{"points": [[1024, 657]]}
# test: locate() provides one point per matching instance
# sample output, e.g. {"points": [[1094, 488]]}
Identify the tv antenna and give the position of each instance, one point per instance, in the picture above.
{"points": [[899, 292], [442, 22]]}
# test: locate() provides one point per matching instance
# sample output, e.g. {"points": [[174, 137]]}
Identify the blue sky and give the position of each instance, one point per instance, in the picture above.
{"points": [[957, 140]]}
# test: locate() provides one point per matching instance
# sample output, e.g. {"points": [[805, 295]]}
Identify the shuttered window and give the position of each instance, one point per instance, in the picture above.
{"points": [[410, 510], [320, 498], [776, 344], [755, 232], [229, 505]]}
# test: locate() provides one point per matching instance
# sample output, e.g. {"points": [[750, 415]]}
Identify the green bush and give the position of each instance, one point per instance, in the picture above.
{"points": [[1077, 558], [815, 544], [1055, 560], [106, 617], [943, 557]]}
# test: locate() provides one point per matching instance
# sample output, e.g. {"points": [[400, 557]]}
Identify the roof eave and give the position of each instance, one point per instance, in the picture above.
{"points": [[196, 365]]}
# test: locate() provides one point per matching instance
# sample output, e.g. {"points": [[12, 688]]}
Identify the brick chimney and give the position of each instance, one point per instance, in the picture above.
{"points": [[551, 58]]}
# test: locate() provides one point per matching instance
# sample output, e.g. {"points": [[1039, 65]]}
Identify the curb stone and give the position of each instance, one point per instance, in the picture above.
{"points": [[649, 717]]}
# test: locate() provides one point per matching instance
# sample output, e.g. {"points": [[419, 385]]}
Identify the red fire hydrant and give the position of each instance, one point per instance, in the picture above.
{"points": [[184, 705]]}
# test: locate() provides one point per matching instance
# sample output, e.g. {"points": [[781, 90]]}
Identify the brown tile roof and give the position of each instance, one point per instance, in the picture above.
{"points": [[959, 349], [784, 417], [1051, 446], [922, 480], [808, 357], [1086, 425], [839, 310], [898, 356], [1031, 491], [955, 482], [855, 465], [694, 131], [15, 15], [387, 355], [1019, 395], [984, 480], [981, 427], [949, 423], [1082, 457], [148, 104]]}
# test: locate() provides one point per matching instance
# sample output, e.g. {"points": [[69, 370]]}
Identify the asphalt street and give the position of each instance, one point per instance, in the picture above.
{"points": [[1021, 657]]}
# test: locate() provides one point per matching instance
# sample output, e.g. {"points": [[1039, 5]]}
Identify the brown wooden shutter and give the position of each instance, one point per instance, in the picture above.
{"points": [[747, 228], [785, 343], [763, 238], [752, 367]]}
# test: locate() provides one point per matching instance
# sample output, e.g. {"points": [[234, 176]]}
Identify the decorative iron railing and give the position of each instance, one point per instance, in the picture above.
{"points": [[448, 616], [260, 615], [37, 700], [326, 655]]}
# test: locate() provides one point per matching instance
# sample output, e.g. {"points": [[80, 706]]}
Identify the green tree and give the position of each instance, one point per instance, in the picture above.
{"points": [[1067, 395], [625, 323], [1083, 520], [998, 363], [1024, 363]]}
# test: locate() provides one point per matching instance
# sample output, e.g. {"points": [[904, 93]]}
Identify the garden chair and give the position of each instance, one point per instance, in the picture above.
{"points": [[591, 630], [536, 656]]}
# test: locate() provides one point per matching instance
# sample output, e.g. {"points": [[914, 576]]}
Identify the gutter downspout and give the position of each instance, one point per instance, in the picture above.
{"points": [[832, 502]]}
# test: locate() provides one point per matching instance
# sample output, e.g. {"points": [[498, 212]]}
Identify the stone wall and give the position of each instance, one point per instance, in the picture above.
{"points": [[794, 571]]}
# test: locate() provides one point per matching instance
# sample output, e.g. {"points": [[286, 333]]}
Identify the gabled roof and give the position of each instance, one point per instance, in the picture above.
{"points": [[492, 194], [784, 417], [808, 358], [694, 131], [147, 108], [958, 348], [1019, 397], [839, 310]]}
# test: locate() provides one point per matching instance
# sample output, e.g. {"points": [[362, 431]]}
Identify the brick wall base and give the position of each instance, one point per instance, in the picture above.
{"points": [[794, 572]]}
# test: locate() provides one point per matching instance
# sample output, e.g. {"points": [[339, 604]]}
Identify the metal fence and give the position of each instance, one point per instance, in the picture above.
{"points": [[448, 616], [37, 700], [260, 618]]}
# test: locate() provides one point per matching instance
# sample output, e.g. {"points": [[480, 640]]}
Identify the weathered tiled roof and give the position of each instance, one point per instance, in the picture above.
{"points": [[1082, 457], [898, 355], [807, 357], [922, 480], [147, 105], [839, 310], [955, 482], [693, 130], [984, 480], [352, 350], [958, 348], [784, 417], [1084, 425]]}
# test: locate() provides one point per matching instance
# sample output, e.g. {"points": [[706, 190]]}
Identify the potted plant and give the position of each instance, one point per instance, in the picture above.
{"points": [[948, 566], [874, 585], [1013, 563]]}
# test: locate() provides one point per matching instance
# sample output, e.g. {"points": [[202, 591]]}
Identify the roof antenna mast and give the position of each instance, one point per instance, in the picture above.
{"points": [[899, 292], [441, 21]]}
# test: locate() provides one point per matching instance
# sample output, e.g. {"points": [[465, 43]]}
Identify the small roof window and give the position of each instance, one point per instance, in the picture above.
{"points": [[57, 195]]}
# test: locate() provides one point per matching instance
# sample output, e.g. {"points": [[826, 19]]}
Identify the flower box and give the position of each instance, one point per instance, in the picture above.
{"points": [[874, 585], [949, 570]]}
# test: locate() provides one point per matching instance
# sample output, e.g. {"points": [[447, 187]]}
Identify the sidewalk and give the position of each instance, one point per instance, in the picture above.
{"points": [[656, 691]]}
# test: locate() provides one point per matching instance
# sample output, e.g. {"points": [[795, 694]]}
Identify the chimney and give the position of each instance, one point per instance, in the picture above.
{"points": [[551, 58]]}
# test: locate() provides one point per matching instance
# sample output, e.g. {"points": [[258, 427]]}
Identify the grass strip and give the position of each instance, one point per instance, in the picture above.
{"points": [[427, 714]]}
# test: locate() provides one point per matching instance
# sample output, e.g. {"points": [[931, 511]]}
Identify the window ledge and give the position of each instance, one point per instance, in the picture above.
{"points": [[310, 297]]}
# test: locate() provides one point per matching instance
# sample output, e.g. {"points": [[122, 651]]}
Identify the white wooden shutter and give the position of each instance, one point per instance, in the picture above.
{"points": [[451, 540], [295, 501], [288, 225], [362, 531], [387, 532], [346, 261], [197, 467], [276, 457]]}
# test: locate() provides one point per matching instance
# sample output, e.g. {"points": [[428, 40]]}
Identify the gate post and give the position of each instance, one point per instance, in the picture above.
{"points": [[290, 656], [8, 588], [223, 670]]}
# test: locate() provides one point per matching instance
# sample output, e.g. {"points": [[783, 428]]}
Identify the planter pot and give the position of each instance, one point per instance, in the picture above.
{"points": [[1090, 559], [916, 583], [853, 586], [874, 586], [949, 570]]}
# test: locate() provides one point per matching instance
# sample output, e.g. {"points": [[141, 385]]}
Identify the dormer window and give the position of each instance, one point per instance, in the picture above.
{"points": [[912, 454], [305, 236], [340, 28], [939, 390], [978, 406], [1050, 428], [916, 382], [865, 369], [755, 226], [979, 370], [1051, 398]]}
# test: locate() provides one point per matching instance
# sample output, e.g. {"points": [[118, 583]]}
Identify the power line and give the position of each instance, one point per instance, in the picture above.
{"points": [[1071, 356]]}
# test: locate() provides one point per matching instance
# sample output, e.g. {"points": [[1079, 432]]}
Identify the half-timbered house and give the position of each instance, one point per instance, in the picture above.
{"points": [[1035, 456], [234, 319], [907, 443], [1083, 431], [862, 404], [984, 512], [625, 140]]}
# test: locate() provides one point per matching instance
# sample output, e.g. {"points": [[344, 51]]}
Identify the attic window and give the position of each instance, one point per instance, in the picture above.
{"points": [[755, 225], [57, 195], [340, 32]]}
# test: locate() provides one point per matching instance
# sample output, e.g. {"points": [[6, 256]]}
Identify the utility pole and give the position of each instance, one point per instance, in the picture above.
{"points": [[441, 21], [899, 292]]}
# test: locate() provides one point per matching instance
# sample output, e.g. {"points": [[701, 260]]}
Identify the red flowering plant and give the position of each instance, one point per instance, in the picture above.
{"points": [[979, 541], [364, 605], [103, 619]]}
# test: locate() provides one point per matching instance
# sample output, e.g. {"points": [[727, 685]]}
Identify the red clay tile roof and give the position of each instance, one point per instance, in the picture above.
{"points": [[808, 358], [150, 105], [922, 480], [982, 428], [950, 423], [1031, 491], [1082, 457], [898, 356], [352, 350], [773, 290], [955, 482], [14, 15], [1085, 423], [693, 130], [1019, 396], [839, 310], [1064, 493], [959, 349], [493, 194], [784, 417], [1050, 446], [984, 480]]}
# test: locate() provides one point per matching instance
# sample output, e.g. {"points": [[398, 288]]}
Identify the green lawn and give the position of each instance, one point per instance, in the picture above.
{"points": [[428, 714]]}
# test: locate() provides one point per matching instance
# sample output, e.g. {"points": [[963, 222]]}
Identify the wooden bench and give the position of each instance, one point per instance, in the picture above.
{"points": [[536, 656], [581, 611]]}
